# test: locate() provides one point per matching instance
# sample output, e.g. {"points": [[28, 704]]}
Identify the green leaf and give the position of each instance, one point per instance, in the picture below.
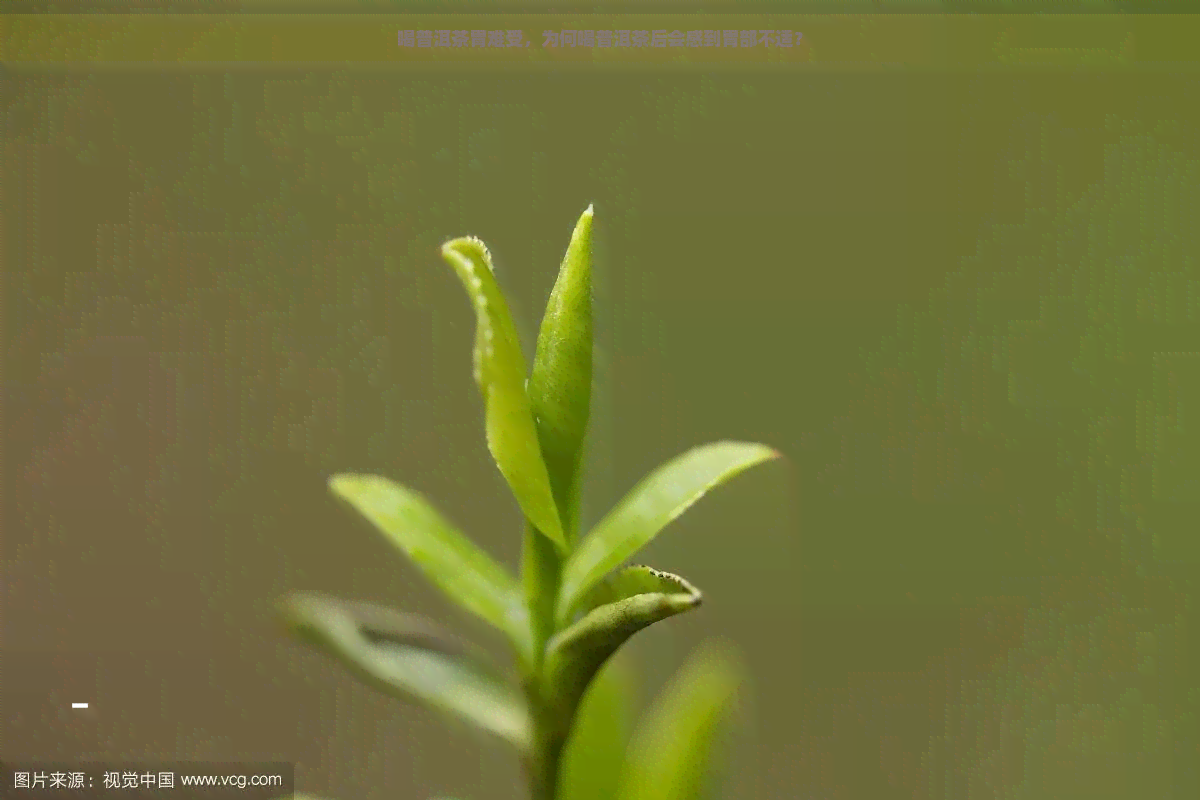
{"points": [[661, 497], [453, 562], [409, 657], [500, 372], [560, 386], [595, 749], [671, 753], [628, 601]]}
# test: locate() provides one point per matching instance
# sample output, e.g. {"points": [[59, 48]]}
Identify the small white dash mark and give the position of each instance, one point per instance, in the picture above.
{"points": [[79, 705]]}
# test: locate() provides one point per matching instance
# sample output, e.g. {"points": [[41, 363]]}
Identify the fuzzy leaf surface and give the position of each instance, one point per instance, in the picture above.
{"points": [[629, 600], [409, 657], [647, 509], [560, 385], [467, 574], [512, 435], [671, 754]]}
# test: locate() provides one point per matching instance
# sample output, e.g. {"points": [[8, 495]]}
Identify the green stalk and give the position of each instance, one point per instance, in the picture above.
{"points": [[541, 572], [543, 764]]}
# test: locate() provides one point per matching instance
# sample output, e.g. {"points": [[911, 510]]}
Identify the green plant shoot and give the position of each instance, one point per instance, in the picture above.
{"points": [[576, 600]]}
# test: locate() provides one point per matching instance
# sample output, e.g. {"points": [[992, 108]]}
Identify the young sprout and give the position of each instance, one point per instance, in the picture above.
{"points": [[576, 600]]}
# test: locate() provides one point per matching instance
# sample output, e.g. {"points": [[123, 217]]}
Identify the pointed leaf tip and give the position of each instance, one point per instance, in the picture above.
{"points": [[560, 385], [648, 508]]}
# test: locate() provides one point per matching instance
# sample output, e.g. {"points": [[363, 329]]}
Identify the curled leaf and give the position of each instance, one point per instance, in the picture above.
{"points": [[500, 372], [560, 385], [628, 601], [409, 657], [647, 509], [670, 756], [468, 575]]}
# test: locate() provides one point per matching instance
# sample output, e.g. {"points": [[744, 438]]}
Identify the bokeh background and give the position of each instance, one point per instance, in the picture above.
{"points": [[965, 304]]}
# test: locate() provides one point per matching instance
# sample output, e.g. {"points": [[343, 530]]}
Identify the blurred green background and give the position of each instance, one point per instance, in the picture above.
{"points": [[965, 305]]}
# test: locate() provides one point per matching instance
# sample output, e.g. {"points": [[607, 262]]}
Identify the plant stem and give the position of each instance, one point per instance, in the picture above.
{"points": [[541, 573], [543, 765]]}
